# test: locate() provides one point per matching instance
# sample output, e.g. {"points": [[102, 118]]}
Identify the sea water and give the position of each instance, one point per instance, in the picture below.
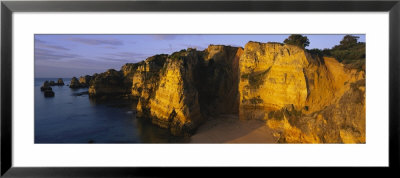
{"points": [[71, 116]]}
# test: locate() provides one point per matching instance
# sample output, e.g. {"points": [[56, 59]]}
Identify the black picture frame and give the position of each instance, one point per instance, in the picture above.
{"points": [[8, 7]]}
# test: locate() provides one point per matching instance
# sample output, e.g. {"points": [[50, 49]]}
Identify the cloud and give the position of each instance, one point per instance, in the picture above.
{"points": [[39, 41], [110, 47], [46, 54], [87, 41], [43, 44]]}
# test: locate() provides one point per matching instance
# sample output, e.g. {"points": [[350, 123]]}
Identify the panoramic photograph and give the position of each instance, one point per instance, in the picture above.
{"points": [[199, 88]]}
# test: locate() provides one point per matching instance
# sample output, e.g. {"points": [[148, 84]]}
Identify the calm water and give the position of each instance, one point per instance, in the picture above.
{"points": [[70, 118]]}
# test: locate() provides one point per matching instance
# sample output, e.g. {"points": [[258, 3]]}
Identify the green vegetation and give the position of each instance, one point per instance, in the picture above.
{"points": [[298, 40], [349, 52]]}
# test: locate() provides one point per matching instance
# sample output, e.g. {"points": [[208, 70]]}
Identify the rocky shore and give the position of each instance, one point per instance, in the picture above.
{"points": [[301, 97]]}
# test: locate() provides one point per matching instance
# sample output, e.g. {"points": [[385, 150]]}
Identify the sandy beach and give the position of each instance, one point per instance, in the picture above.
{"points": [[229, 129]]}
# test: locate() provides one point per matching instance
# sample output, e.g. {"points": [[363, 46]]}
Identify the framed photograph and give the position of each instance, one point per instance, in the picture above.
{"points": [[133, 88]]}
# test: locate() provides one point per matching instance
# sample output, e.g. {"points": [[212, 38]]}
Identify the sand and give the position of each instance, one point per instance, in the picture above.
{"points": [[229, 129]]}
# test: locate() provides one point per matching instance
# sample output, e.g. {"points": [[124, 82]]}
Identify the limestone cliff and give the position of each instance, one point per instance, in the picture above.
{"points": [[275, 77], [271, 76], [305, 98], [174, 103], [109, 83], [217, 80]]}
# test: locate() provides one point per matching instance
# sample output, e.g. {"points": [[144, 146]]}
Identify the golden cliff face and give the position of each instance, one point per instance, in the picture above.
{"points": [[305, 98], [174, 103], [271, 77], [191, 86]]}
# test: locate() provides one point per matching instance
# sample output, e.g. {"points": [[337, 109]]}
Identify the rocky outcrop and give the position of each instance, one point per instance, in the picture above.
{"points": [[45, 86], [271, 76], [217, 80], [109, 83], [175, 103], [47, 90], [190, 86], [146, 77], [84, 81], [74, 83], [303, 97], [294, 90], [60, 82]]}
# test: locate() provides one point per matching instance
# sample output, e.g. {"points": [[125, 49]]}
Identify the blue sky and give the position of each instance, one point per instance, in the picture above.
{"points": [[75, 55]]}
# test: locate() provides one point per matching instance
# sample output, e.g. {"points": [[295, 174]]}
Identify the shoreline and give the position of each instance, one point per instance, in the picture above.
{"points": [[229, 129]]}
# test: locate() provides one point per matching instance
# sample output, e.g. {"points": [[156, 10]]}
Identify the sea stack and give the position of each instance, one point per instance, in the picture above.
{"points": [[60, 82], [74, 83], [45, 86]]}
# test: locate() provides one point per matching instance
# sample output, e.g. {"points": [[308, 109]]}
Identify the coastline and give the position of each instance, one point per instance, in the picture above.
{"points": [[229, 129]]}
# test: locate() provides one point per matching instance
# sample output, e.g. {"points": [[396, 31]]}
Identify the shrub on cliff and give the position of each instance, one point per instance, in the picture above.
{"points": [[348, 50], [298, 40]]}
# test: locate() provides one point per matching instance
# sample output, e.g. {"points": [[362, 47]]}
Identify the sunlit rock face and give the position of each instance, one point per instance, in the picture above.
{"points": [[146, 76], [271, 77], [305, 98], [174, 104], [190, 86]]}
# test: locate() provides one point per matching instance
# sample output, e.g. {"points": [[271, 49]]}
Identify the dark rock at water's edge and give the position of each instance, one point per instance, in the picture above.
{"points": [[60, 82], [45, 86], [74, 83], [83, 82], [47, 83]]}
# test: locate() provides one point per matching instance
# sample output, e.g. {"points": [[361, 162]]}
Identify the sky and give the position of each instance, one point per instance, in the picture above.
{"points": [[65, 56]]}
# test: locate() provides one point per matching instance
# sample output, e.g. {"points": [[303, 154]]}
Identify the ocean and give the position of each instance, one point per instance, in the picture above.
{"points": [[73, 117]]}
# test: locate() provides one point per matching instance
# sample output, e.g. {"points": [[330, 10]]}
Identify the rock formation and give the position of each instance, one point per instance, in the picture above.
{"points": [[60, 82], [84, 81], [109, 83], [45, 86], [303, 97], [174, 104], [275, 77], [217, 80], [74, 83]]}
